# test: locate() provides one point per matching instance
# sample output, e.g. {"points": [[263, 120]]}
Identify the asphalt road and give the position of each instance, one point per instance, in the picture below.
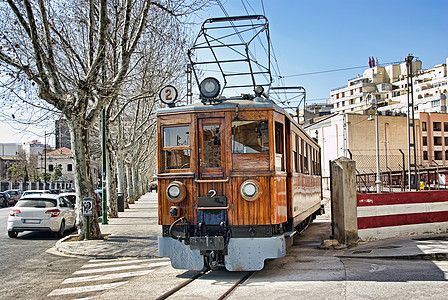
{"points": [[27, 270]]}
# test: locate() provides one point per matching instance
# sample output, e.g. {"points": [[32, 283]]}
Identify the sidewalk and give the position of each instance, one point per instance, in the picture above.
{"points": [[134, 234]]}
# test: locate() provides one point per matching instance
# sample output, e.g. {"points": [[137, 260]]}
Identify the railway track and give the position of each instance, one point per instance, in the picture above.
{"points": [[216, 284]]}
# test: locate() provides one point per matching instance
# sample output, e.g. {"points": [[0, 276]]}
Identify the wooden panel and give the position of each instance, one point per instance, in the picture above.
{"points": [[175, 119], [186, 206], [279, 199], [253, 161], [256, 212], [306, 193]]}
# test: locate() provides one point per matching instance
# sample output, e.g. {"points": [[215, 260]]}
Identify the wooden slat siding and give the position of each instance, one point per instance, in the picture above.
{"points": [[279, 206], [306, 192], [187, 205], [203, 189], [244, 212], [252, 161]]}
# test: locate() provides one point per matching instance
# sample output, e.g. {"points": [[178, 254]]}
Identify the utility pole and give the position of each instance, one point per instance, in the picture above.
{"points": [[411, 124], [104, 167]]}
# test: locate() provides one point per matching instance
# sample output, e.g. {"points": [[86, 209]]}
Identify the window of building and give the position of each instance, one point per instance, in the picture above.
{"points": [[50, 168], [425, 141], [352, 101], [69, 167], [446, 154], [438, 155], [445, 126], [424, 126], [437, 141], [425, 155], [436, 126], [435, 103], [446, 141]]}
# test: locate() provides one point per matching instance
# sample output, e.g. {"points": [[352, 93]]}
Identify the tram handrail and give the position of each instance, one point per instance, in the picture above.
{"points": [[211, 180]]}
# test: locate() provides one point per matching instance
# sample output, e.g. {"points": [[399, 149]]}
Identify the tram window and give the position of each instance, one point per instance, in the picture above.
{"points": [[176, 136], [176, 150], [250, 137], [212, 146], [279, 164]]}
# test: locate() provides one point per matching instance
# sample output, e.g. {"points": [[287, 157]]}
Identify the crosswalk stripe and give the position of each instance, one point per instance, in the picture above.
{"points": [[114, 263], [84, 289], [106, 277], [101, 270]]}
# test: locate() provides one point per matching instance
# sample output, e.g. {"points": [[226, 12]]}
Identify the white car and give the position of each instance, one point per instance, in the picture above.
{"points": [[35, 192], [44, 212]]}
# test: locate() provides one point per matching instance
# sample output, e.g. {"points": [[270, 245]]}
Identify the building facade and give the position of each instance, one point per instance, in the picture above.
{"points": [[63, 158], [387, 86]]}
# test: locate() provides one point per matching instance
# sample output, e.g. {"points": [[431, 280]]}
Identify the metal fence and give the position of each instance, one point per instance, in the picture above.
{"points": [[393, 169]]}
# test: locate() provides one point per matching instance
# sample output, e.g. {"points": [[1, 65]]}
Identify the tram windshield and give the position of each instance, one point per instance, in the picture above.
{"points": [[250, 137]]}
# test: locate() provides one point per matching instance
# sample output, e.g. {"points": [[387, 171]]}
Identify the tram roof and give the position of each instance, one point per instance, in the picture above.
{"points": [[227, 103]]}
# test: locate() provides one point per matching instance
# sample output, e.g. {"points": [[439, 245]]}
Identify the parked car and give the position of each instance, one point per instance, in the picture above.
{"points": [[16, 194], [41, 212], [55, 191], [69, 196], [153, 186], [6, 200], [35, 192]]}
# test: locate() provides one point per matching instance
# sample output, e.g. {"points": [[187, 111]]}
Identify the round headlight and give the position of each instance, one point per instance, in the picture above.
{"points": [[209, 87], [175, 191], [259, 90], [250, 190]]}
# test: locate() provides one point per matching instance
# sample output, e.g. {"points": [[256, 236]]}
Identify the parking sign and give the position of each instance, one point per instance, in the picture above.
{"points": [[87, 207]]}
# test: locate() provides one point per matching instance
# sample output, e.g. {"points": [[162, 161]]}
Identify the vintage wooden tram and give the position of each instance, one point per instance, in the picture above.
{"points": [[236, 177]]}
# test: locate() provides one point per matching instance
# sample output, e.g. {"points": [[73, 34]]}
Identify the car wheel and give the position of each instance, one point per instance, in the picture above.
{"points": [[13, 234], [60, 233]]}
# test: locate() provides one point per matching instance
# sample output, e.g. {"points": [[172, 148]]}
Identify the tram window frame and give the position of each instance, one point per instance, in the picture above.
{"points": [[279, 146], [182, 149], [262, 136]]}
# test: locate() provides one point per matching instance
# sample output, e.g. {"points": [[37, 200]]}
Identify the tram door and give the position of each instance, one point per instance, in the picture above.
{"points": [[211, 148]]}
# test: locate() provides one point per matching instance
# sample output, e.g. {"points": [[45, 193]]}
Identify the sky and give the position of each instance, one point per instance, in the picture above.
{"points": [[320, 36]]}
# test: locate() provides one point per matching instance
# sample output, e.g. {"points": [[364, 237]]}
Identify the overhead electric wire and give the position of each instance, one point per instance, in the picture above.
{"points": [[334, 70]]}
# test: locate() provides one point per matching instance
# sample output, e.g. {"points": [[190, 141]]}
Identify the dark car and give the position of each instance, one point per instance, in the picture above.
{"points": [[6, 200], [16, 194], [153, 186]]}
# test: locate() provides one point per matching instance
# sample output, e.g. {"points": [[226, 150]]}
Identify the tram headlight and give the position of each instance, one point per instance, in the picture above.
{"points": [[250, 190], [259, 90], [210, 87], [175, 191]]}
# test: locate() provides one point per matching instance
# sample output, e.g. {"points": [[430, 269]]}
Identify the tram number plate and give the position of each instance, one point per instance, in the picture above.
{"points": [[217, 201], [207, 243]]}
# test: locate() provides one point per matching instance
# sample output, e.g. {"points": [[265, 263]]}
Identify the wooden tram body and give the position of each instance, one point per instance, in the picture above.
{"points": [[234, 179]]}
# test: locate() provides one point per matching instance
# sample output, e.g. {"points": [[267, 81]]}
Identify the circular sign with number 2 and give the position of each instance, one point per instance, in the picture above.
{"points": [[168, 95]]}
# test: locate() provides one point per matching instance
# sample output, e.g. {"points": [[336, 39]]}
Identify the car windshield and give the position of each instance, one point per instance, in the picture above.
{"points": [[38, 203]]}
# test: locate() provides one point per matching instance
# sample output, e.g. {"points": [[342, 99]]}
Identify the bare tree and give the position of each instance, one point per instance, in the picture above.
{"points": [[60, 49]]}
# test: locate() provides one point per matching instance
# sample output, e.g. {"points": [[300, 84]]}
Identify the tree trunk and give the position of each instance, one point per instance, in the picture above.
{"points": [[111, 182], [130, 185], [121, 177], [83, 176], [135, 182]]}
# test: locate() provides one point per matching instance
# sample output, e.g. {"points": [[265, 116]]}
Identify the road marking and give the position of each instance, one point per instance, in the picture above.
{"points": [[85, 289], [106, 277], [120, 268], [115, 262]]}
